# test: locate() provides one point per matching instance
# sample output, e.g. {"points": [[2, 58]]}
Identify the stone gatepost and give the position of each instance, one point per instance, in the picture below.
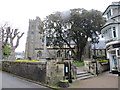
{"points": [[55, 72], [90, 67]]}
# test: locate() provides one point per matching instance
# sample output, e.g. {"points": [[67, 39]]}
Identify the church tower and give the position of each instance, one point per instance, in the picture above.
{"points": [[34, 39]]}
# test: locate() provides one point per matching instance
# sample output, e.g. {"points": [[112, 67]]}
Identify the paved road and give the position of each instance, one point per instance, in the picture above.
{"points": [[11, 81]]}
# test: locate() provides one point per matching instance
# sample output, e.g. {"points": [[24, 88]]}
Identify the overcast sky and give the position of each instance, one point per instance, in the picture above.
{"points": [[18, 12]]}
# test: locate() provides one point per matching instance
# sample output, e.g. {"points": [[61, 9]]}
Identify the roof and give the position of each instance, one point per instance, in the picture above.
{"points": [[110, 24], [110, 6], [99, 45]]}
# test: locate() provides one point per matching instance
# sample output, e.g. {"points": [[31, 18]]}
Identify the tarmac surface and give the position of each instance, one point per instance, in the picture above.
{"points": [[104, 80], [11, 81]]}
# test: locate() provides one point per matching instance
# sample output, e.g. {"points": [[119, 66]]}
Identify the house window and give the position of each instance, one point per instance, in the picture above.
{"points": [[118, 51], [109, 13], [114, 32]]}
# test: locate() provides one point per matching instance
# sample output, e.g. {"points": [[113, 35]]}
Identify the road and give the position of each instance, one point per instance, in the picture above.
{"points": [[11, 81]]}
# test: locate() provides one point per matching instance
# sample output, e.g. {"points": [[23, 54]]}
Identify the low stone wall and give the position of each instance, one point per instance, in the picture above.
{"points": [[90, 66], [45, 72], [31, 70], [49, 72]]}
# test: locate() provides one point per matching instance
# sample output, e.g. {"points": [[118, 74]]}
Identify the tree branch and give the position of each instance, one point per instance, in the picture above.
{"points": [[18, 38], [15, 33]]}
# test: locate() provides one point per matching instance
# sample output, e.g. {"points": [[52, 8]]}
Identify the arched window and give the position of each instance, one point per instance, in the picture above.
{"points": [[58, 53], [39, 54]]}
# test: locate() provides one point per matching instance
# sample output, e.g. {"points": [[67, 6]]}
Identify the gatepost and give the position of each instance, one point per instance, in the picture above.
{"points": [[68, 71]]}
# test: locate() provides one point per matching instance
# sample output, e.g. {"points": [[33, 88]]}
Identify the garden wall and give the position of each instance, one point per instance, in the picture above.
{"points": [[90, 67], [31, 70], [44, 72]]}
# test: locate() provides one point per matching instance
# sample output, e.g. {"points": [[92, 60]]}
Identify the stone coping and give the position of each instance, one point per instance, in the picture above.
{"points": [[29, 62]]}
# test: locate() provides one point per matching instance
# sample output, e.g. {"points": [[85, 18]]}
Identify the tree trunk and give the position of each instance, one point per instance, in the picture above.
{"points": [[78, 58], [1, 54], [12, 54], [80, 52]]}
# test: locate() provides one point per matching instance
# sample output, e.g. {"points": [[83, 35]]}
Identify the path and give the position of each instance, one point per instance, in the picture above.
{"points": [[105, 80]]}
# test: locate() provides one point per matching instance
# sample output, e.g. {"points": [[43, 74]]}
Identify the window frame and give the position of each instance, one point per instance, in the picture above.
{"points": [[114, 35]]}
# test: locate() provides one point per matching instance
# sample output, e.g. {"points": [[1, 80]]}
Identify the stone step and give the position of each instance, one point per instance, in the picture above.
{"points": [[85, 77], [79, 73], [82, 75]]}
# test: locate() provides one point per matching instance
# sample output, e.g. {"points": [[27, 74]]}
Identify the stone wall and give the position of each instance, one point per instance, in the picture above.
{"points": [[90, 66], [31, 70], [45, 72]]}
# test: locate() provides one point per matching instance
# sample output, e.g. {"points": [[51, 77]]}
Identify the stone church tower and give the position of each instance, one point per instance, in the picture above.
{"points": [[34, 39]]}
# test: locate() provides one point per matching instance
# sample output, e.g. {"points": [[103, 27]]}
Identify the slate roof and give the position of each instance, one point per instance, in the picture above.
{"points": [[100, 45]]}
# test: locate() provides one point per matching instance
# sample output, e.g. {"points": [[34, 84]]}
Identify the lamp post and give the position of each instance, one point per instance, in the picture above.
{"points": [[95, 41], [69, 75], [69, 28]]}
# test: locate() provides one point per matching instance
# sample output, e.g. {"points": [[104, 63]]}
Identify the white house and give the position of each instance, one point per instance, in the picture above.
{"points": [[111, 33], [19, 55]]}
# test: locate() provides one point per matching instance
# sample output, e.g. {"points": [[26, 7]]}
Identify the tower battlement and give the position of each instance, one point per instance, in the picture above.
{"points": [[33, 20]]}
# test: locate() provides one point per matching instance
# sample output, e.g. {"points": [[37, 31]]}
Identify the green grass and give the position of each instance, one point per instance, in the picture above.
{"points": [[79, 63]]}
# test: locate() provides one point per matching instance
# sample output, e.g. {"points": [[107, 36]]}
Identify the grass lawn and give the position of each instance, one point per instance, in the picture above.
{"points": [[79, 63]]}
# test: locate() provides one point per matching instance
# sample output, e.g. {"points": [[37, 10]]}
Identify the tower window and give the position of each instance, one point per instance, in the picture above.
{"points": [[32, 32], [32, 25]]}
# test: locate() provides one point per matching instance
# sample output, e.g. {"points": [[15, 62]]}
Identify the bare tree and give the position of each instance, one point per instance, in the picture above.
{"points": [[3, 40], [8, 36], [0, 44]]}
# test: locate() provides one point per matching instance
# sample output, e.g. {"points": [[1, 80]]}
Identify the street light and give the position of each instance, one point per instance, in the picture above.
{"points": [[69, 28], [69, 75], [95, 40]]}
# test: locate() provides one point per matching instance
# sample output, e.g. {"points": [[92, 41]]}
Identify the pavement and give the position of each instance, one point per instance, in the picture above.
{"points": [[104, 80]]}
